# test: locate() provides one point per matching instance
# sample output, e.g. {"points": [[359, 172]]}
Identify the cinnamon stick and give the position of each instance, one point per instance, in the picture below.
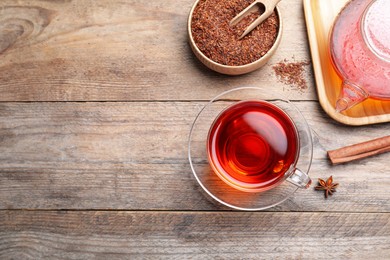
{"points": [[360, 150]]}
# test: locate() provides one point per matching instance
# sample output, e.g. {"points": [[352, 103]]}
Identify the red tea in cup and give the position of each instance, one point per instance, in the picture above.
{"points": [[252, 145]]}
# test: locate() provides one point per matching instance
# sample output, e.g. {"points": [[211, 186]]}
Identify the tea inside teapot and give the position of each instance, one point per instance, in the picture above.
{"points": [[360, 51]]}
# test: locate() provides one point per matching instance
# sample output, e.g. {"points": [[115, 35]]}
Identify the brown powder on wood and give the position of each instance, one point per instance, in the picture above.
{"points": [[291, 73], [216, 39]]}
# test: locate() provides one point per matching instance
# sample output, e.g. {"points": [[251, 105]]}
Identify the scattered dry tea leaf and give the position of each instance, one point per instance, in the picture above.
{"points": [[292, 73]]}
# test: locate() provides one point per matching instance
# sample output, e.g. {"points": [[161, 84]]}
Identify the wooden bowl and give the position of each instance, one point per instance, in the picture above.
{"points": [[233, 70]]}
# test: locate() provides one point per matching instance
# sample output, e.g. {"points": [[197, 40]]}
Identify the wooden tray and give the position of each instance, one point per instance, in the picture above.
{"points": [[320, 15]]}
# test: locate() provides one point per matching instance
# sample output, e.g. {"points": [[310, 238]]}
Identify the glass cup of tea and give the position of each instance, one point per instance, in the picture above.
{"points": [[249, 149]]}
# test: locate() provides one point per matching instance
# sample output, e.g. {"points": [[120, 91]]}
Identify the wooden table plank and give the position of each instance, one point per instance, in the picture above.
{"points": [[204, 235], [123, 50], [133, 155], [111, 179]]}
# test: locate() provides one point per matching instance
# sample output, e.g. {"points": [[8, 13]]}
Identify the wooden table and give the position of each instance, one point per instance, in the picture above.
{"points": [[97, 100]]}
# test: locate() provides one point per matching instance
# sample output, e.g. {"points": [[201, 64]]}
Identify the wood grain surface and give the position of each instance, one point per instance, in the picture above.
{"points": [[97, 99], [121, 50], [203, 235], [115, 155]]}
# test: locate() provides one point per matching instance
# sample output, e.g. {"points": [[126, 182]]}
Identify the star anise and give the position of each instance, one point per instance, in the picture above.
{"points": [[328, 186]]}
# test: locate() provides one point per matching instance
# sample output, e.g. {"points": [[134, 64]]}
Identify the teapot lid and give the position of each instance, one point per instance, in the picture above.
{"points": [[376, 28]]}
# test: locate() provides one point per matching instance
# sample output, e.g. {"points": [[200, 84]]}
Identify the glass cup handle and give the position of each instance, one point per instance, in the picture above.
{"points": [[300, 179]]}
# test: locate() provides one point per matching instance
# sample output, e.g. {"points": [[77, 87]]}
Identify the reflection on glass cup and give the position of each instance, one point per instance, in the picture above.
{"points": [[249, 149], [253, 145]]}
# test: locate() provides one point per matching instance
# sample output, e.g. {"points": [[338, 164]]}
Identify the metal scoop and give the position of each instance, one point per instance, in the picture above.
{"points": [[267, 5]]}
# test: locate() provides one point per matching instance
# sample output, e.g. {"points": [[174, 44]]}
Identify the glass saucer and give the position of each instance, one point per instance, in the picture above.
{"points": [[211, 183]]}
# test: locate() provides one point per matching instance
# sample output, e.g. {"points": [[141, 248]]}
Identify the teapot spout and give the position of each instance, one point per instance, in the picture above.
{"points": [[350, 95]]}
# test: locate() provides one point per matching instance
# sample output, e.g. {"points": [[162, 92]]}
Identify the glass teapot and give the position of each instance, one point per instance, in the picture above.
{"points": [[360, 51]]}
